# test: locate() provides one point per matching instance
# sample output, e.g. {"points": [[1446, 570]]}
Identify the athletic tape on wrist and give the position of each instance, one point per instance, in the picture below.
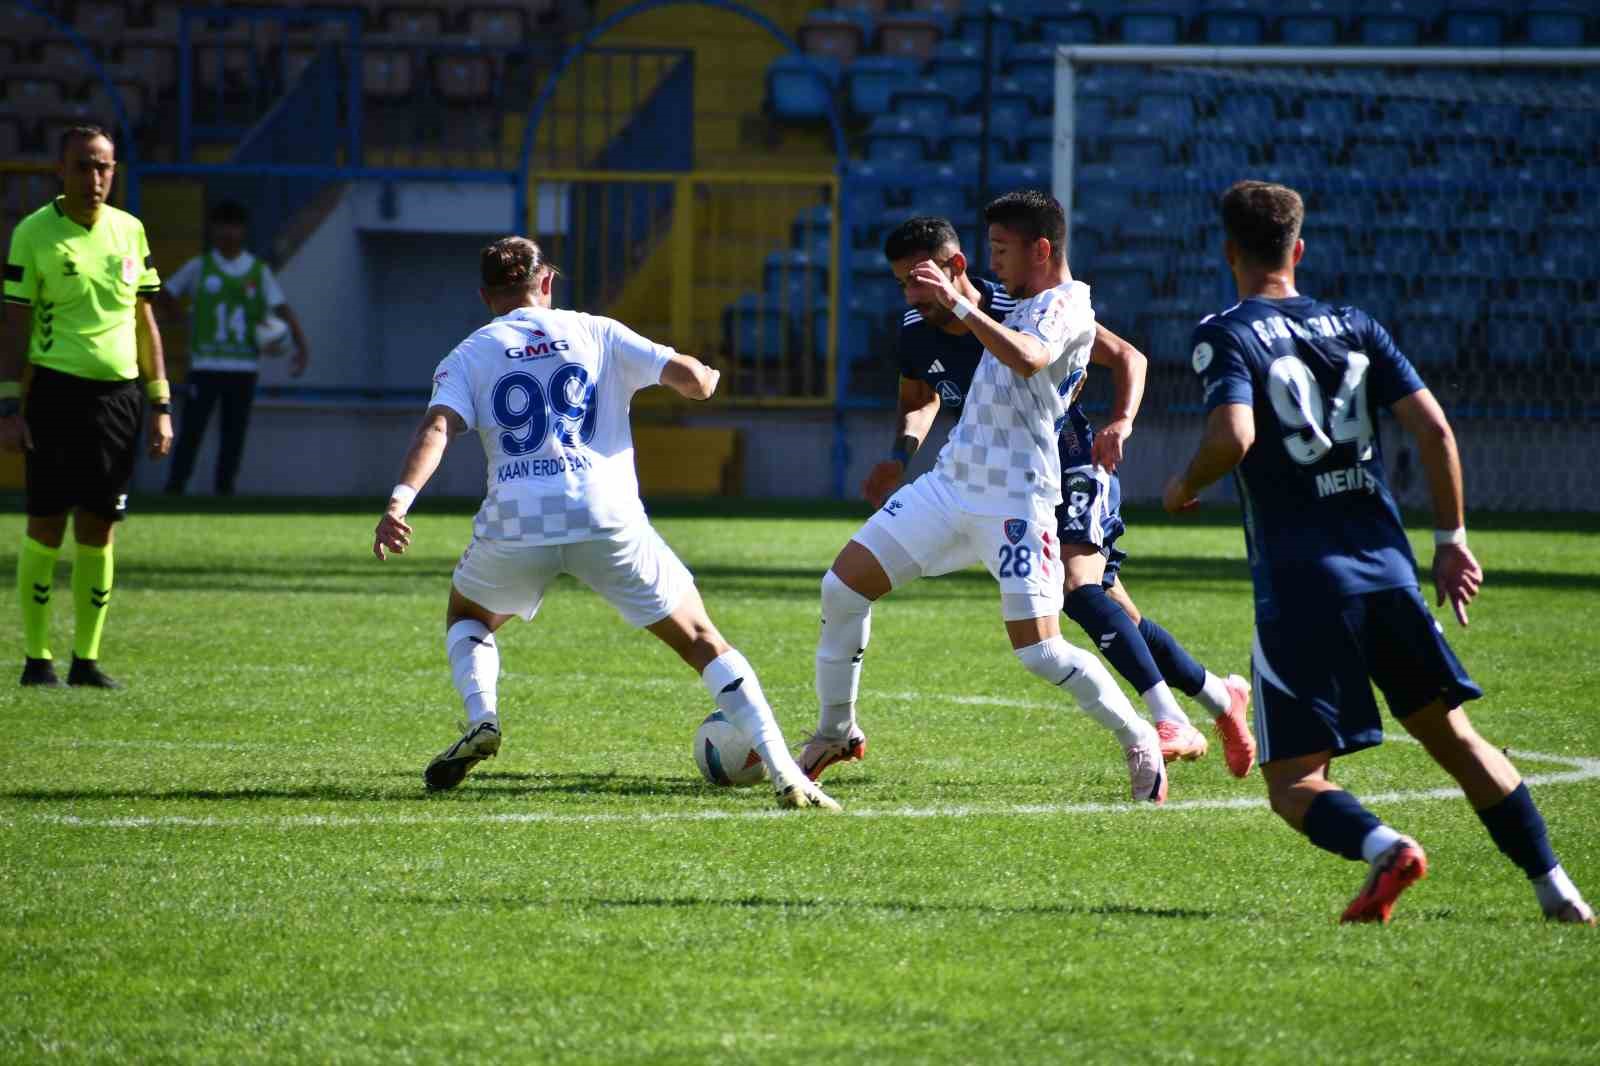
{"points": [[963, 307], [158, 390], [1450, 536], [402, 494]]}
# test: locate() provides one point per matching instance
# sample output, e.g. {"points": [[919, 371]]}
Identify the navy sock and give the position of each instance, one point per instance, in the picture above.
{"points": [[1114, 633], [1337, 822], [1517, 828], [1178, 668]]}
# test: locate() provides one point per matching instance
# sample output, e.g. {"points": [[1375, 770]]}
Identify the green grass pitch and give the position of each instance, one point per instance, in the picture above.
{"points": [[233, 860]]}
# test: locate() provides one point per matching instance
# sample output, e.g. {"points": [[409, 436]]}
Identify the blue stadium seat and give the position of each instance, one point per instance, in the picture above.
{"points": [[1390, 23], [1313, 24], [1010, 104], [873, 79], [1033, 66], [1467, 156], [1005, 27], [1512, 336], [958, 68], [1377, 158], [1330, 114], [1556, 23], [1417, 116], [1070, 23], [812, 232], [1015, 176], [1134, 144], [1232, 22], [1229, 156], [1308, 157], [1427, 340], [925, 103], [891, 139], [1247, 109], [962, 144], [1084, 245], [1120, 294], [1154, 22], [1583, 341], [1174, 111], [943, 193], [754, 329], [1092, 115], [793, 279], [1154, 232], [801, 88], [1475, 24], [1492, 120], [1038, 142]]}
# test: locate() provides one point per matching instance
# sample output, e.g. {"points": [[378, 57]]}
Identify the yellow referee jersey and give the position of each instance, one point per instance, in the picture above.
{"points": [[82, 285]]}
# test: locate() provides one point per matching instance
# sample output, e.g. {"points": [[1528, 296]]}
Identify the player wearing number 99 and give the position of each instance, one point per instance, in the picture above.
{"points": [[1292, 386], [548, 392]]}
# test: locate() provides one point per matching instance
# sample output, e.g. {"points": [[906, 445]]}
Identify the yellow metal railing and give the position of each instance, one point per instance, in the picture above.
{"points": [[684, 258]]}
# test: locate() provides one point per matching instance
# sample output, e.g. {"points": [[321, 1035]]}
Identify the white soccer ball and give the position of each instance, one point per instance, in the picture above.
{"points": [[273, 338], [724, 754]]}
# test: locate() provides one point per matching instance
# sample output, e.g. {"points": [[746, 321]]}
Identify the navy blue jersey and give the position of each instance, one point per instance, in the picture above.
{"points": [[947, 361], [1318, 516]]}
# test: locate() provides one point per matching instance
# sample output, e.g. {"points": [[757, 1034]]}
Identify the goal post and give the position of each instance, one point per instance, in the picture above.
{"points": [[1452, 193]]}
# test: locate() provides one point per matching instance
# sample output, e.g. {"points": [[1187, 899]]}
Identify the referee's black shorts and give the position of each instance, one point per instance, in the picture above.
{"points": [[85, 441]]}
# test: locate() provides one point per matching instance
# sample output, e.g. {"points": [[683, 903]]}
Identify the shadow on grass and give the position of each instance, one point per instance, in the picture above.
{"points": [[499, 902], [479, 786]]}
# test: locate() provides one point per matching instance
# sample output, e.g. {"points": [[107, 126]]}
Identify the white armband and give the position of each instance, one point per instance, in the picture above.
{"points": [[402, 494], [1450, 536]]}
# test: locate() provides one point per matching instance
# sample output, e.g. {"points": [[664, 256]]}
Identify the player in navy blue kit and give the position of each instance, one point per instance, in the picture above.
{"points": [[938, 355], [1293, 386]]}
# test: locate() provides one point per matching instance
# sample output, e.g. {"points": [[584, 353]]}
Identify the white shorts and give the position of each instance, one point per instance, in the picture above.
{"points": [[923, 532], [633, 570]]}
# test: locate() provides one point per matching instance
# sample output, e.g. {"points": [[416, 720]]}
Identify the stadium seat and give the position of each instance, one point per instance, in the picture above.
{"points": [[872, 80], [1153, 22], [101, 22], [1232, 22], [1038, 142], [65, 60], [1492, 120], [1068, 23], [464, 78], [1248, 110], [1313, 24], [1173, 111], [496, 25], [1132, 143], [10, 136], [801, 87], [1512, 335], [1583, 341], [1475, 24], [155, 65], [386, 73], [1092, 116], [874, 8], [911, 33], [754, 329], [895, 140], [1010, 104], [924, 102], [812, 232], [1120, 293], [958, 68], [942, 194], [1033, 66], [1555, 23], [1307, 157], [1380, 157], [1331, 115], [963, 142], [839, 35], [1427, 340], [1390, 23], [410, 24], [1228, 156], [1013, 176], [33, 97], [1004, 27]]}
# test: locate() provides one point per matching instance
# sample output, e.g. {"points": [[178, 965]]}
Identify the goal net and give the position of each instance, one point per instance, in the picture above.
{"points": [[1457, 203]]}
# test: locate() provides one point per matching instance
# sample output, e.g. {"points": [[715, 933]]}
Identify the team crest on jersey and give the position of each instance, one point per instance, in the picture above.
{"points": [[1202, 357], [130, 270], [949, 395], [1015, 530]]}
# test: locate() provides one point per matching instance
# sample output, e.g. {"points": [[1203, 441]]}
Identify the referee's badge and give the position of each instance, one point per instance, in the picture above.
{"points": [[130, 270]]}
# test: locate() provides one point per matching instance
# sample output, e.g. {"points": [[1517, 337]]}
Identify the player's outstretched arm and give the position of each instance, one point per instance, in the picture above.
{"points": [[916, 407], [1456, 573], [1230, 430], [428, 443], [690, 378], [1128, 367]]}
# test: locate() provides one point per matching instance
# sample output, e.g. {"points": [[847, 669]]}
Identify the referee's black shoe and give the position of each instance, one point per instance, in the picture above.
{"points": [[40, 672], [85, 673]]}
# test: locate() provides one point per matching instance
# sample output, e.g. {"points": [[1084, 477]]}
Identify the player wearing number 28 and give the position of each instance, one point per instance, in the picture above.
{"points": [[1293, 386], [992, 497], [549, 392]]}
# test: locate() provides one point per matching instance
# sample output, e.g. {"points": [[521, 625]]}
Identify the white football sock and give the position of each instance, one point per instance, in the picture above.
{"points": [[474, 667], [1214, 696], [1555, 888], [846, 628], [1377, 841], [732, 682], [1090, 683], [1163, 706]]}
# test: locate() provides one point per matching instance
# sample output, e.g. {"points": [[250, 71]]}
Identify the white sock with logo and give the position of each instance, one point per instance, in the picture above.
{"points": [[841, 646], [474, 667], [732, 682], [1090, 683]]}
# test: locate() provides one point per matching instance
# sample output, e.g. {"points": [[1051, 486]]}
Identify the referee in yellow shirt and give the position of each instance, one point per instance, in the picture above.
{"points": [[78, 284]]}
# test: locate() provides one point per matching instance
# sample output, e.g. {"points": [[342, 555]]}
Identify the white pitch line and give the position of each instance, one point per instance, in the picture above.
{"points": [[1581, 769]]}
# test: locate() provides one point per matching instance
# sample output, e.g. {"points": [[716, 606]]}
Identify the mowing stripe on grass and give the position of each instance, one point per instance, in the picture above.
{"points": [[1580, 769]]}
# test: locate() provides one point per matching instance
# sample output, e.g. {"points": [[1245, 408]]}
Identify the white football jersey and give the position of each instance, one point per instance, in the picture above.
{"points": [[549, 392], [1001, 457]]}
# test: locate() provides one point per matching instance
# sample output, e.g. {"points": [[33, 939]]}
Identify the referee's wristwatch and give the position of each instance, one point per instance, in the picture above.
{"points": [[163, 408]]}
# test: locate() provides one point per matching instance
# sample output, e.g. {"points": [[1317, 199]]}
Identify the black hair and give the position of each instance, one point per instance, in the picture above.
{"points": [[1263, 220], [923, 235], [229, 213], [1032, 214], [87, 131]]}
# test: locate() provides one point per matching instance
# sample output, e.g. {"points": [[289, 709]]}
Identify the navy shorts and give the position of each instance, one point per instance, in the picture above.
{"points": [[1091, 513], [1314, 666]]}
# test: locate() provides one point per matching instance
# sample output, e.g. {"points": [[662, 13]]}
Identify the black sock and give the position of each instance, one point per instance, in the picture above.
{"points": [[1114, 633], [1518, 830], [1337, 822], [1180, 669]]}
